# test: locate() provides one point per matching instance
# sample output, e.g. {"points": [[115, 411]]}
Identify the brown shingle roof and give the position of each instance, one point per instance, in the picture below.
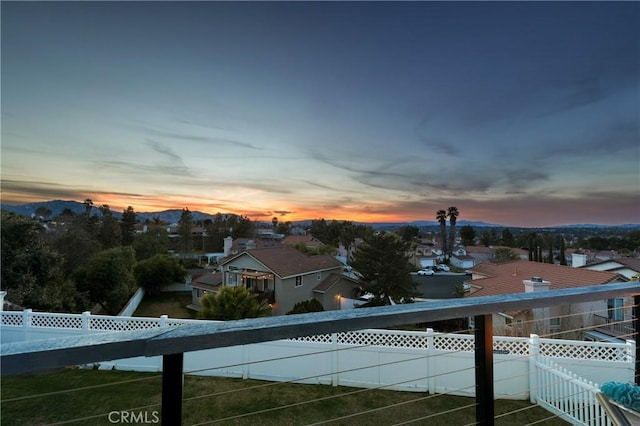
{"points": [[208, 281], [506, 278], [286, 261], [330, 281], [307, 240]]}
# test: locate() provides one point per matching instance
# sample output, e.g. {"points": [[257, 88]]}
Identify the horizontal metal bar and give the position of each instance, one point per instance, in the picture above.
{"points": [[23, 357]]}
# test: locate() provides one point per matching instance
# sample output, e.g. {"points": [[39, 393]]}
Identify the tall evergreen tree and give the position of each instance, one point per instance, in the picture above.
{"points": [[441, 217], [507, 238], [563, 256], [383, 264], [453, 214], [467, 235], [108, 231], [128, 226], [185, 226]]}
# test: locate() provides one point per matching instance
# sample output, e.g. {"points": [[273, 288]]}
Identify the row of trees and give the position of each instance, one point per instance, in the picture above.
{"points": [[447, 242], [79, 265]]}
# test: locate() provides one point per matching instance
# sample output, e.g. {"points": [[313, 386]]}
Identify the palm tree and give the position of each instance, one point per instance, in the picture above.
{"points": [[453, 217], [441, 216]]}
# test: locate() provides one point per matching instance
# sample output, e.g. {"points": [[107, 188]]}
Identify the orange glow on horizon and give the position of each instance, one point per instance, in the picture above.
{"points": [[145, 204]]}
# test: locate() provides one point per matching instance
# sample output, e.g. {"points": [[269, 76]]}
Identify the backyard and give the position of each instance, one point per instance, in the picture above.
{"points": [[99, 397], [172, 304]]}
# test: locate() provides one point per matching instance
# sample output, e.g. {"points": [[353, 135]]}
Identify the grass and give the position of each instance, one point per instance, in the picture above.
{"points": [[173, 304], [232, 401]]}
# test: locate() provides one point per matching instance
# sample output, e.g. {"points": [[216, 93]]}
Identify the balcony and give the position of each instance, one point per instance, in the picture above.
{"points": [[339, 348]]}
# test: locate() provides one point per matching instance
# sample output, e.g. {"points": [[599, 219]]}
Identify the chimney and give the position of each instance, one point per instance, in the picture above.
{"points": [[228, 242], [535, 284]]}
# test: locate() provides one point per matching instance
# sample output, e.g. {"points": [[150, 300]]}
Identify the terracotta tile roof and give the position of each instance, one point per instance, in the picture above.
{"points": [[286, 261], [330, 281], [506, 278]]}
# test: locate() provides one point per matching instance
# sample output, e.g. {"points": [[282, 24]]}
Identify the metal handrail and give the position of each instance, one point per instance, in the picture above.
{"points": [[23, 357]]}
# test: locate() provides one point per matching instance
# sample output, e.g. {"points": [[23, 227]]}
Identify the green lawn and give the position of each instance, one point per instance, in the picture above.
{"points": [[173, 304], [230, 402]]}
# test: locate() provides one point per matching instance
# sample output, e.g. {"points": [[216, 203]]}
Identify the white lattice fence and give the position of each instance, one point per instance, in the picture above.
{"points": [[571, 349]]}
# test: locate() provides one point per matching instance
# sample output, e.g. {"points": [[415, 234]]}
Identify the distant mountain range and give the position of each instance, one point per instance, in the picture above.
{"points": [[173, 216]]}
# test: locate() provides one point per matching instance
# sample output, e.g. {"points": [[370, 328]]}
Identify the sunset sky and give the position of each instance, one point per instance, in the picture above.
{"points": [[523, 114]]}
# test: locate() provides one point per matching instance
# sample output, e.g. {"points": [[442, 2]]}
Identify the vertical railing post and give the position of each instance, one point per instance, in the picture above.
{"points": [[26, 323], [534, 353], [85, 321], [431, 362], [636, 314], [335, 378], [484, 370], [172, 388]]}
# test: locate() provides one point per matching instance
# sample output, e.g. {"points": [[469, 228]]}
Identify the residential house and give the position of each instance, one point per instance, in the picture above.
{"points": [[308, 241], [485, 254], [627, 266], [460, 259], [423, 257], [489, 279], [284, 275], [210, 282]]}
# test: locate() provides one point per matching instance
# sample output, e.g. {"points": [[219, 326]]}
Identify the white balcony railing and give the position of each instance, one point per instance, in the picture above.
{"points": [[317, 348]]}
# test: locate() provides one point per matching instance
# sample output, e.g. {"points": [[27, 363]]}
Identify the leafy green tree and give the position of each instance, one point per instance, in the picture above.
{"points": [[311, 305], [408, 232], [75, 243], [468, 235], [489, 237], [43, 212], [157, 272], [31, 272], [148, 244], [348, 234], [503, 254], [242, 226], [185, 226], [128, 226], [383, 263], [109, 232], [108, 278], [232, 303], [507, 238]]}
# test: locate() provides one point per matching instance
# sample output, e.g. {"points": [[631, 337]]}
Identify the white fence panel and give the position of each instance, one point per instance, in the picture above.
{"points": [[398, 360], [568, 395]]}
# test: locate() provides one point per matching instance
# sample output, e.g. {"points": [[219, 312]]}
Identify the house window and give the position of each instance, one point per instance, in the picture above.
{"points": [[318, 276], [472, 323], [616, 309], [554, 324], [508, 321], [299, 281], [231, 279]]}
